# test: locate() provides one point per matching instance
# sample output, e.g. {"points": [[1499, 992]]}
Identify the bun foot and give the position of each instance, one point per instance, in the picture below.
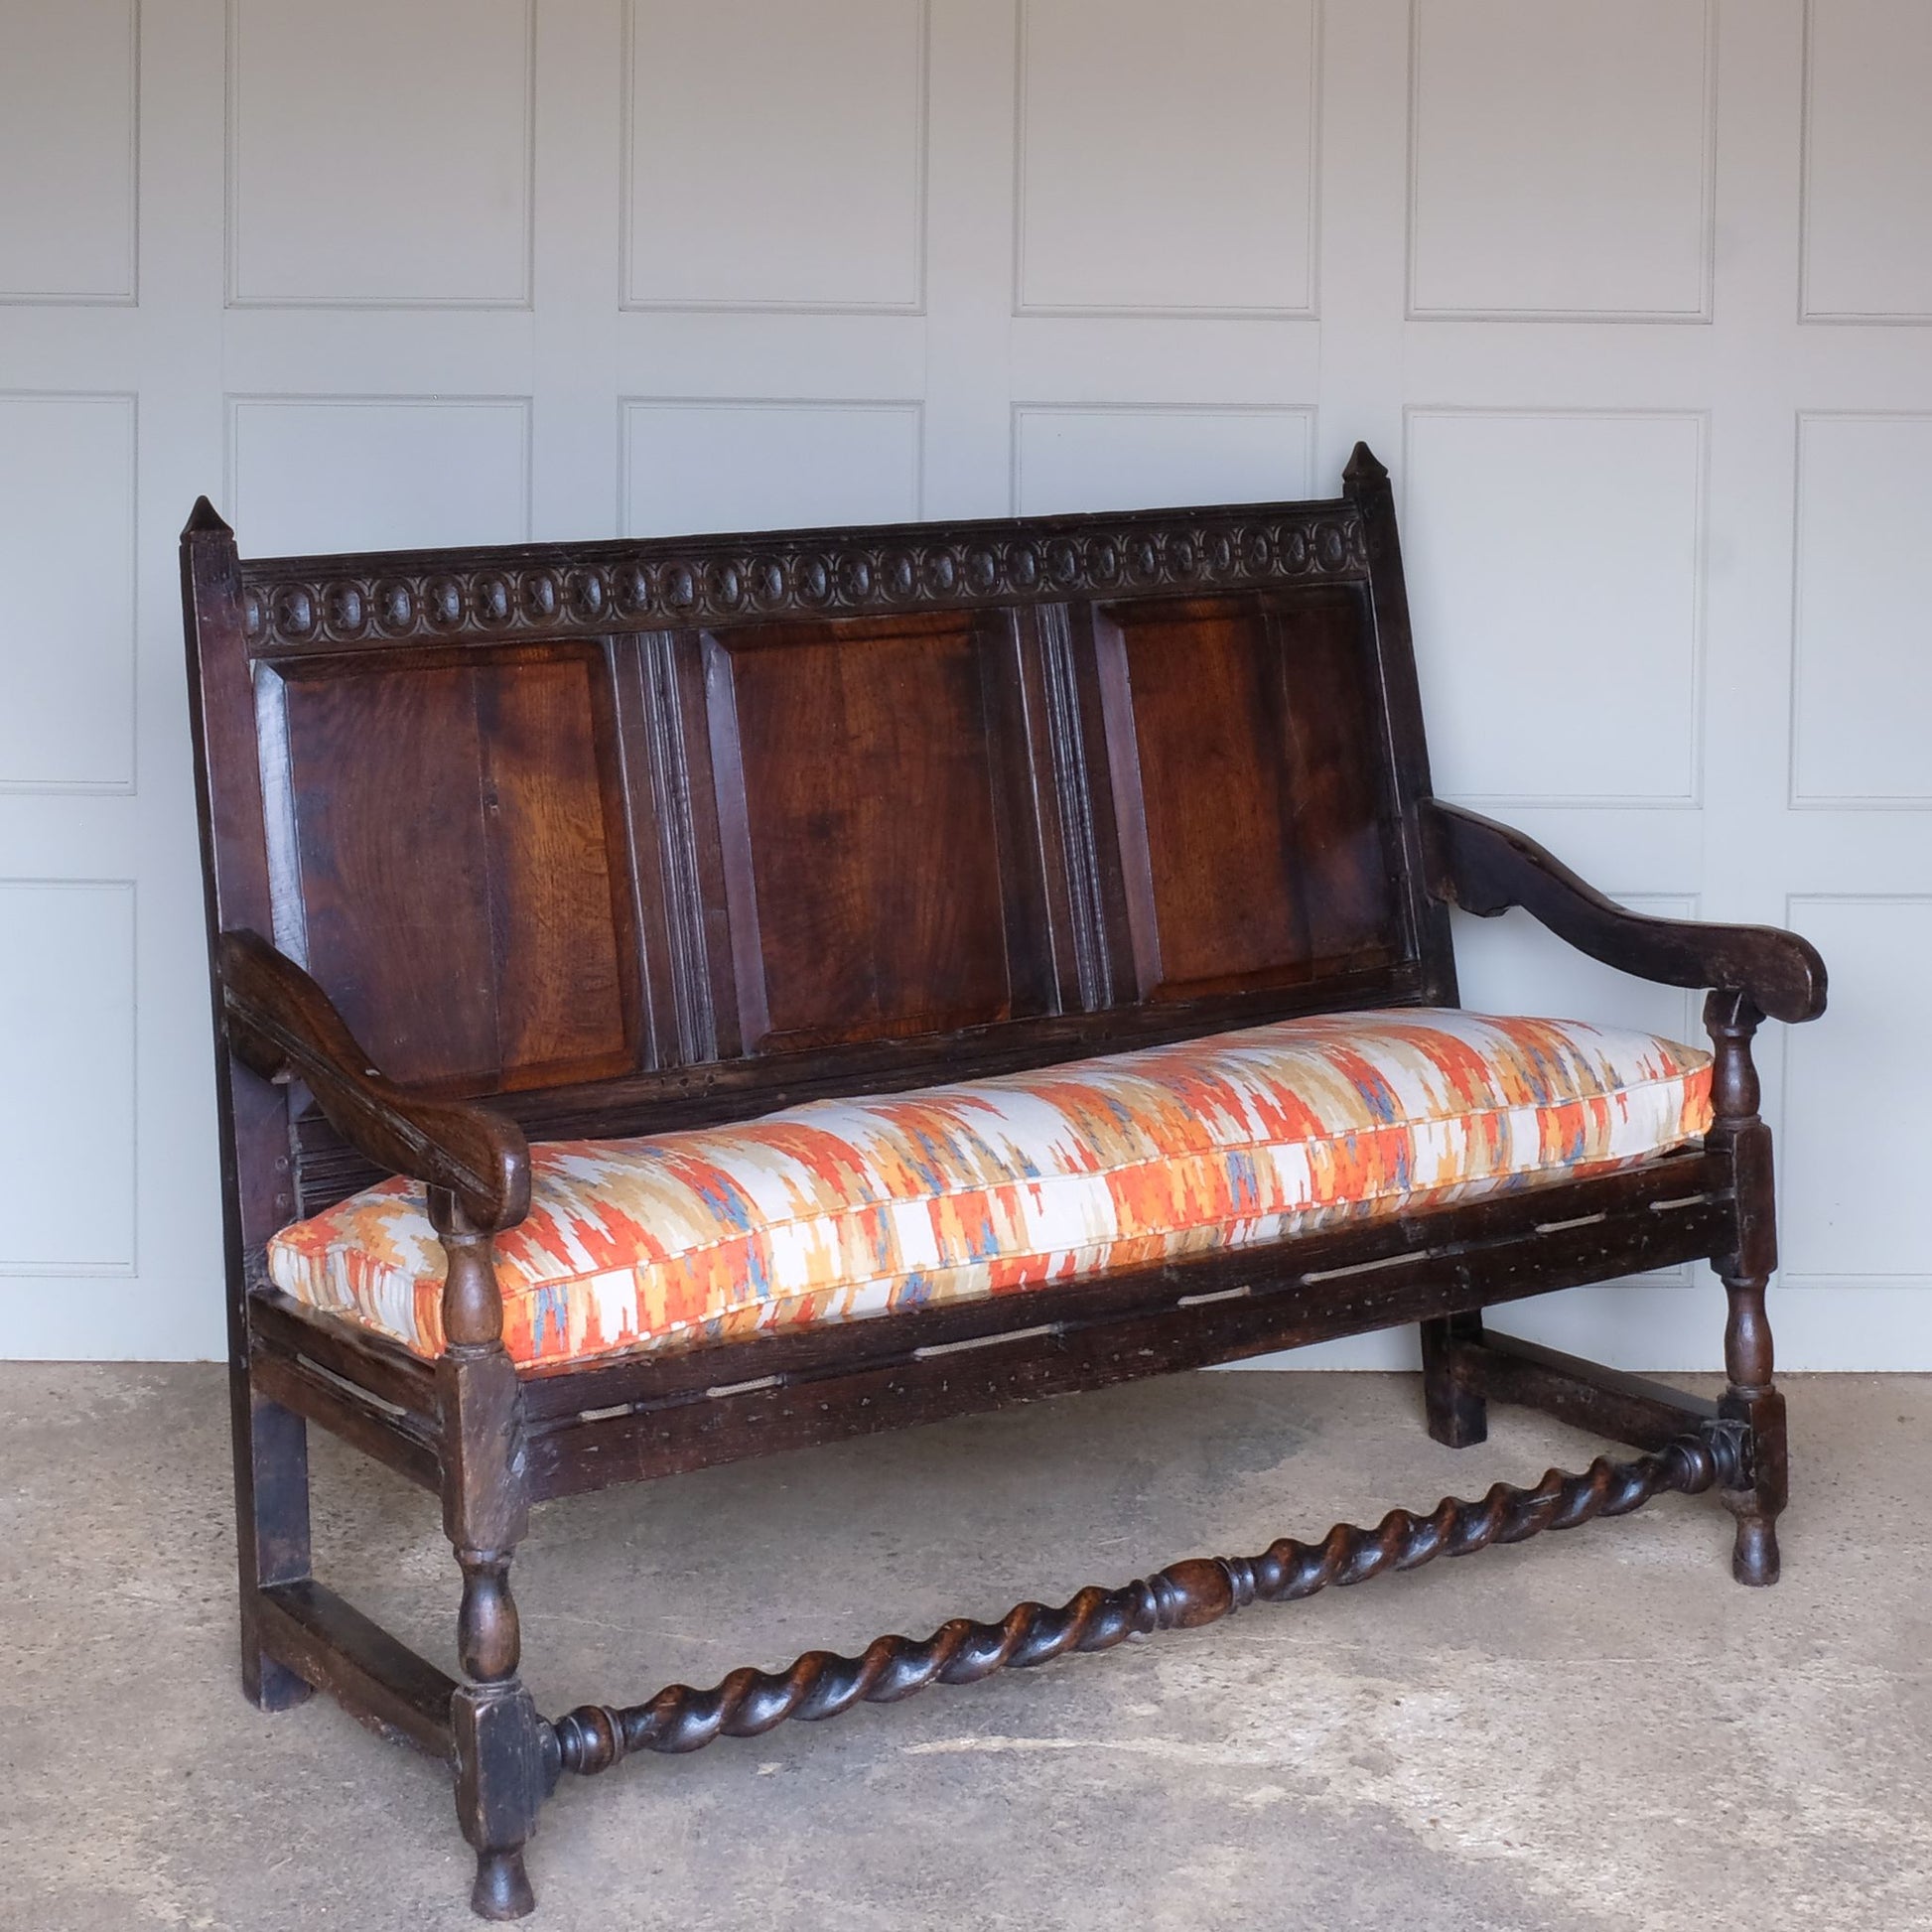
{"points": [[1754, 1559], [502, 1888]]}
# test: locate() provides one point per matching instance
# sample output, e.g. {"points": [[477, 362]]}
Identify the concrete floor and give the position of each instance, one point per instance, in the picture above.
{"points": [[1596, 1730]]}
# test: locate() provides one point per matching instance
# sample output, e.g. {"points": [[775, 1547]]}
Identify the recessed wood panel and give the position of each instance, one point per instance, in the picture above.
{"points": [[1248, 786], [558, 893], [859, 799], [465, 900]]}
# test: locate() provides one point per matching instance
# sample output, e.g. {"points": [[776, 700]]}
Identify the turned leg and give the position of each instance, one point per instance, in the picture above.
{"points": [[271, 1486], [500, 1783], [1750, 1397], [499, 1760], [1457, 1415]]}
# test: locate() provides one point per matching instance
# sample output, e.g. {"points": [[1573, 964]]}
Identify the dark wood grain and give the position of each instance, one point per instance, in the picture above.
{"points": [[1397, 718], [676, 875], [386, 1372], [1453, 1399], [1745, 1265], [486, 1510], [1605, 1401], [1487, 867], [344, 1407], [383, 1683], [259, 1190], [392, 875], [465, 898], [282, 1025], [859, 788], [1260, 849], [1196, 734]]}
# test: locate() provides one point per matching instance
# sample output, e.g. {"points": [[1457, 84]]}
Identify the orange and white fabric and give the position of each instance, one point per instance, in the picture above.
{"points": [[844, 1209]]}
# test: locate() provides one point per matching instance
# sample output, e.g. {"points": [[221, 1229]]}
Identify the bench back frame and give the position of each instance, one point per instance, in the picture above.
{"points": [[629, 836]]}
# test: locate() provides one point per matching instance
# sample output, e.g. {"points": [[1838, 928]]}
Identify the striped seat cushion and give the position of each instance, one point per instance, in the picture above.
{"points": [[843, 1208]]}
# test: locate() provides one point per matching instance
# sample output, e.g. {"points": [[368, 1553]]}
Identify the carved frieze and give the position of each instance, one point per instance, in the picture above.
{"points": [[513, 596]]}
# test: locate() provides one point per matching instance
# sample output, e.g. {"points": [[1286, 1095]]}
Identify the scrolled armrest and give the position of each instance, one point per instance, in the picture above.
{"points": [[1487, 867], [282, 1025]]}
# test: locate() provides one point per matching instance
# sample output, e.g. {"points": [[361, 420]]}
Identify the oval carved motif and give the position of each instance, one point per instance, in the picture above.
{"points": [[584, 595], [982, 569], [713, 578], [443, 603], [633, 589], [295, 610], [1063, 563], [768, 580], [540, 595], [490, 598], [855, 576], [811, 581], [395, 607], [677, 586], [346, 609]]}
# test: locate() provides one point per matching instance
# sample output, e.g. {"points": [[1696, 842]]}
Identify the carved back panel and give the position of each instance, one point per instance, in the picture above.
{"points": [[634, 834]]}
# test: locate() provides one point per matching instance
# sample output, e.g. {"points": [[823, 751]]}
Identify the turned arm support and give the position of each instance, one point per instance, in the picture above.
{"points": [[1487, 867], [282, 1026]]}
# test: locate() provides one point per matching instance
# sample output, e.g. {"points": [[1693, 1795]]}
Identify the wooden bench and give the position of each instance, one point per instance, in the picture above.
{"points": [[591, 841]]}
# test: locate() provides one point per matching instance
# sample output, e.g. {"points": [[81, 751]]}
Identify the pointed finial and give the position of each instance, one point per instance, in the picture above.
{"points": [[1363, 469], [205, 520]]}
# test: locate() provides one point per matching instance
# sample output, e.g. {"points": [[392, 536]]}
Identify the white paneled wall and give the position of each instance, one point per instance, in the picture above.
{"points": [[1562, 159], [775, 155], [1864, 515], [729, 465], [367, 472], [1593, 623], [1121, 130], [67, 481], [1634, 296], [380, 155]]}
